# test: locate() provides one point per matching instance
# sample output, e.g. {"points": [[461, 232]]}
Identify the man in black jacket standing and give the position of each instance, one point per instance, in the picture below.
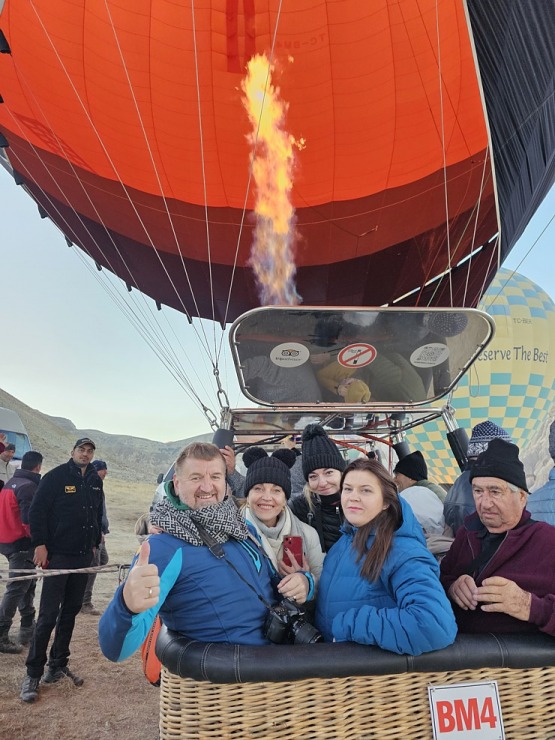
{"points": [[66, 522], [15, 543]]}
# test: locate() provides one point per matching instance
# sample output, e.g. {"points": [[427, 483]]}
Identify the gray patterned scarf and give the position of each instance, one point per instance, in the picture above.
{"points": [[222, 521]]}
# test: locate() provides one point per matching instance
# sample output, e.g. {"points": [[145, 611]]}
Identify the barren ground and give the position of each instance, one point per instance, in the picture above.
{"points": [[116, 701]]}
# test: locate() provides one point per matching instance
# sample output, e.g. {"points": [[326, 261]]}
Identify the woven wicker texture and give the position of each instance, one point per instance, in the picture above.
{"points": [[358, 708]]}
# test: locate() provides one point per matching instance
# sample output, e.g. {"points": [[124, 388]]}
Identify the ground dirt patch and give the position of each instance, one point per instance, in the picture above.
{"points": [[116, 701]]}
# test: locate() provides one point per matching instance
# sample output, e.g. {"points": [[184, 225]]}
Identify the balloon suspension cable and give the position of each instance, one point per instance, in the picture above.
{"points": [[477, 208], [155, 331], [221, 393], [117, 174], [444, 154], [160, 186], [513, 273], [251, 167], [149, 328], [473, 218], [211, 417]]}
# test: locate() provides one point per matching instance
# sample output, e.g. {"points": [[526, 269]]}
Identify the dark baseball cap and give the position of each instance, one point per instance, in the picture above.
{"points": [[84, 441], [99, 465]]}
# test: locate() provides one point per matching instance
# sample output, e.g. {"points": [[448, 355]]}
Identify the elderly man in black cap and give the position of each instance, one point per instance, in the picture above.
{"points": [[66, 527], [500, 571], [459, 502]]}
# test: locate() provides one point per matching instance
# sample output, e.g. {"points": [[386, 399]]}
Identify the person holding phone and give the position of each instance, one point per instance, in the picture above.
{"points": [[292, 546], [380, 584]]}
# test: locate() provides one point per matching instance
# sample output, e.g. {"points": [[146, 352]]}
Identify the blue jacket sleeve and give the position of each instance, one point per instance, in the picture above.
{"points": [[421, 621], [120, 631]]}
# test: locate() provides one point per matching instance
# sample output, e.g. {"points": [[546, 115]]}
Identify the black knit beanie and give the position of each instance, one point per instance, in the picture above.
{"points": [[413, 466], [264, 468], [500, 460], [318, 451]]}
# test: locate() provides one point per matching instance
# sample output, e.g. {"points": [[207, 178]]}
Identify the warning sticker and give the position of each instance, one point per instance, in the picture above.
{"points": [[357, 355], [430, 355], [289, 354]]}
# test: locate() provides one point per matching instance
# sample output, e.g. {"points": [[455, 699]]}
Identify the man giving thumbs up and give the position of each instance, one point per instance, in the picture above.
{"points": [[196, 593], [142, 587]]}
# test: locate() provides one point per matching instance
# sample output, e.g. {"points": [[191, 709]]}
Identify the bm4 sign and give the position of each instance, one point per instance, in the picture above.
{"points": [[469, 711]]}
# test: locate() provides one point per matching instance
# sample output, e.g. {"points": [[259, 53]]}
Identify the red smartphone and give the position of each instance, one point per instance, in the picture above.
{"points": [[295, 544]]}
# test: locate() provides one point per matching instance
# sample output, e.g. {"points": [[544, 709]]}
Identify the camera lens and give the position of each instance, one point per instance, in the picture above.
{"points": [[305, 633]]}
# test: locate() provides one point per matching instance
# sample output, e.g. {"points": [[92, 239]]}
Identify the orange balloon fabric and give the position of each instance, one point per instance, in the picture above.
{"points": [[124, 120]]}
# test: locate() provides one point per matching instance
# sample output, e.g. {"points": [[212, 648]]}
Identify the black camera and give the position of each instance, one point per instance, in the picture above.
{"points": [[286, 623]]}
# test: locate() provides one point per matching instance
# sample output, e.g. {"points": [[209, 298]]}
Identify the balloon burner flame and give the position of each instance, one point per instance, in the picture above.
{"points": [[273, 152]]}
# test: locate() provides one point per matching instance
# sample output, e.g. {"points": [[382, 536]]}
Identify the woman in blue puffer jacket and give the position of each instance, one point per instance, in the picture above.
{"points": [[380, 585]]}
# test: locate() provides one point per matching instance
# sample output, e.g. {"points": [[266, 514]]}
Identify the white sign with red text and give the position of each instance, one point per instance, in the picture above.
{"points": [[466, 711]]}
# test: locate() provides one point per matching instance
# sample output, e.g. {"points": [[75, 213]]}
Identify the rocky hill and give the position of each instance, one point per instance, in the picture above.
{"points": [[141, 460], [128, 458]]}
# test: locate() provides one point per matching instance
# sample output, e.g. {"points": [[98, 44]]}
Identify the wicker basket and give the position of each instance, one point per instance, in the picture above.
{"points": [[353, 708]]}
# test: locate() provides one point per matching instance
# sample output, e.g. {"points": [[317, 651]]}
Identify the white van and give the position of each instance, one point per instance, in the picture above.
{"points": [[13, 432], [160, 492]]}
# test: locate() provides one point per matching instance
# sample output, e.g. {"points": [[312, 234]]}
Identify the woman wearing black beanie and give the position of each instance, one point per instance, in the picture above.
{"points": [[321, 504], [268, 488]]}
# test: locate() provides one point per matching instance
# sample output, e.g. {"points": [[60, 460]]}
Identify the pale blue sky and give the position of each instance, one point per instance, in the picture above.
{"points": [[68, 350]]}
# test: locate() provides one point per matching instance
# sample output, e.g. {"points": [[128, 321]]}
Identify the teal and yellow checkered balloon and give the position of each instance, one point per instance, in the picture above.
{"points": [[513, 382]]}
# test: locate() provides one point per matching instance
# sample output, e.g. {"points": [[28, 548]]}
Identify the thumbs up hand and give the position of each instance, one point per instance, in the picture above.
{"points": [[141, 590]]}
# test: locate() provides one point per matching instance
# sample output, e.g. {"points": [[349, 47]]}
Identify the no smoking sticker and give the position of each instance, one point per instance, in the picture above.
{"points": [[357, 355]]}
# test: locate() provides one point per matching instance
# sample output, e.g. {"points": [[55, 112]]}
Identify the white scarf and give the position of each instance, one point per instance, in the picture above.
{"points": [[271, 537]]}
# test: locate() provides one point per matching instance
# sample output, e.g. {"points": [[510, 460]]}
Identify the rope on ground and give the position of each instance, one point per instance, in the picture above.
{"points": [[40, 573]]}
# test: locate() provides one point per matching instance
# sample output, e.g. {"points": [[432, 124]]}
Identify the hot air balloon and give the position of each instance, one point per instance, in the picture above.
{"points": [[512, 383], [427, 129]]}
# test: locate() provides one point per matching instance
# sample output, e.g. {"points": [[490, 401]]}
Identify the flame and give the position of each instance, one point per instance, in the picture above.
{"points": [[273, 150]]}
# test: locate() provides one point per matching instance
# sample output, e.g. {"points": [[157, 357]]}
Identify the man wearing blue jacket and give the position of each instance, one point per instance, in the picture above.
{"points": [[541, 503], [201, 596]]}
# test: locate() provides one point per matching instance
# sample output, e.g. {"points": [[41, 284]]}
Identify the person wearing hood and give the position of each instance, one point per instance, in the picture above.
{"points": [[380, 585], [268, 486], [320, 507]]}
